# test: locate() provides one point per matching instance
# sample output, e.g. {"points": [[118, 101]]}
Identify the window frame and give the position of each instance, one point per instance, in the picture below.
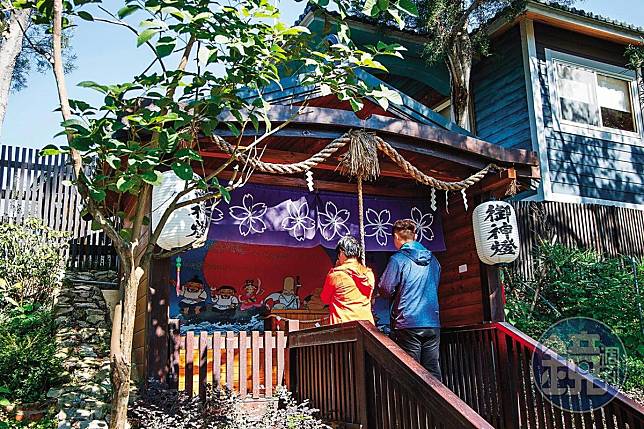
{"points": [[600, 132]]}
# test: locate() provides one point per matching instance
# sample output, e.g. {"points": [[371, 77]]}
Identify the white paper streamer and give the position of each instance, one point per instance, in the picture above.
{"points": [[309, 180], [464, 198], [433, 199]]}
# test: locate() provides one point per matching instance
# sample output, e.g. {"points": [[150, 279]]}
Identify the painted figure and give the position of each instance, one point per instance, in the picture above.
{"points": [[313, 302], [192, 295], [225, 299], [287, 298], [250, 297]]}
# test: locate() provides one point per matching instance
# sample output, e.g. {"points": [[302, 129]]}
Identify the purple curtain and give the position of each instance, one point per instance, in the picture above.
{"points": [[290, 217]]}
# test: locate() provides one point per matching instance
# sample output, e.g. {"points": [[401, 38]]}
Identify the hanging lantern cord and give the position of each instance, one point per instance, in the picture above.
{"points": [[363, 256]]}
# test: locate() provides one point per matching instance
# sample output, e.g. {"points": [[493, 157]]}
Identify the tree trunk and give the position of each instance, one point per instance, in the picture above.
{"points": [[122, 355], [459, 64], [10, 47]]}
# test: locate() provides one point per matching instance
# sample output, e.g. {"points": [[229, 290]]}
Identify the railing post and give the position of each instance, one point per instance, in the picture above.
{"points": [[361, 379], [507, 383]]}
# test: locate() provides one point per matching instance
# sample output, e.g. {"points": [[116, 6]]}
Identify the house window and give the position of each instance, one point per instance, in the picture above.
{"points": [[590, 97]]}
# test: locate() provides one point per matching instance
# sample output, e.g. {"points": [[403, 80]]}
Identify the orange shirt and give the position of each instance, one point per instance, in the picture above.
{"points": [[347, 290]]}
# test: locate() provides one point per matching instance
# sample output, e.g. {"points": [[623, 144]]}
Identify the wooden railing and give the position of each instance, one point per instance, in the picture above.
{"points": [[360, 378], [489, 367], [251, 364]]}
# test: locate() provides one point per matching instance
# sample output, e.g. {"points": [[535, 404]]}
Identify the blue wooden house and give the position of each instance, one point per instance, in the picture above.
{"points": [[555, 82]]}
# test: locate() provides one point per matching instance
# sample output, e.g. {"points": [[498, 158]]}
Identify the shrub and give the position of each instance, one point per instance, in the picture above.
{"points": [[159, 408], [28, 365], [572, 282], [32, 262]]}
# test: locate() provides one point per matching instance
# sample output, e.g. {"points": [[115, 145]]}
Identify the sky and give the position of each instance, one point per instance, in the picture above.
{"points": [[108, 54]]}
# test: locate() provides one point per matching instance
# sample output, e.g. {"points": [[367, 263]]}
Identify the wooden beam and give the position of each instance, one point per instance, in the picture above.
{"points": [[422, 136], [387, 169], [268, 179]]}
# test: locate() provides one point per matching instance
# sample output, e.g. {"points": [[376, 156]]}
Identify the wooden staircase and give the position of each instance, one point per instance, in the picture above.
{"points": [[359, 378]]}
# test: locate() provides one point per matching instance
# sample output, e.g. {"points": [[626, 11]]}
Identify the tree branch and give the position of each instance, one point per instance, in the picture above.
{"points": [[120, 23]]}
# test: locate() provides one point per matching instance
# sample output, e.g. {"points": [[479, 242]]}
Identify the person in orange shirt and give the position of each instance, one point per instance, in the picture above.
{"points": [[348, 287]]}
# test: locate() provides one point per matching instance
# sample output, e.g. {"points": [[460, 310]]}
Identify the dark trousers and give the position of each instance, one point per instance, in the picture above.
{"points": [[423, 344]]}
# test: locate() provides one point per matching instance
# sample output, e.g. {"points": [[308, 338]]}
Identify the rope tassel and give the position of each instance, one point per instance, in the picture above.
{"points": [[361, 160]]}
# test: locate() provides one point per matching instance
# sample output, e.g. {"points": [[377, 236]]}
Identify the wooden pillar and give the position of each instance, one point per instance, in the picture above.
{"points": [[158, 358], [492, 289]]}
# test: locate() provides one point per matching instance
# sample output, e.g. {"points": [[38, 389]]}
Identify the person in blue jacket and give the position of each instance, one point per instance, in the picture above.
{"points": [[411, 282]]}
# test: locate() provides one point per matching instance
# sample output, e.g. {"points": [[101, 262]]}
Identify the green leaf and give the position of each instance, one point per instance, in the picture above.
{"points": [[95, 226], [126, 234], [93, 85], [154, 178], [165, 46], [382, 4], [224, 194], [408, 6], [97, 194], [124, 184], [233, 129], [113, 161], [167, 141], [50, 150], [80, 143], [183, 170], [145, 36], [371, 8], [127, 10], [188, 153], [85, 15], [356, 105], [4, 402]]}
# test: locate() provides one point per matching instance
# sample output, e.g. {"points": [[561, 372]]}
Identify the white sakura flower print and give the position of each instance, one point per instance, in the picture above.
{"points": [[377, 225], [332, 221], [250, 216], [216, 215], [423, 224], [298, 220]]}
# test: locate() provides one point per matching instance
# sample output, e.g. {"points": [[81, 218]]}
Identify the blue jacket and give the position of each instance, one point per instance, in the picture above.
{"points": [[411, 279]]}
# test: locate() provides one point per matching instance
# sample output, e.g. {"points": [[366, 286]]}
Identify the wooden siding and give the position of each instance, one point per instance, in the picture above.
{"points": [[610, 231], [459, 294], [585, 166], [500, 95]]}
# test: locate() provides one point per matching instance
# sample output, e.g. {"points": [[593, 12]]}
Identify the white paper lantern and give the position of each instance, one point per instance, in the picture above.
{"points": [[186, 225], [495, 232]]}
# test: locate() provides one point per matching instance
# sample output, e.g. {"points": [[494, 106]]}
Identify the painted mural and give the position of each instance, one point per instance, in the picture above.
{"points": [[235, 286], [269, 251], [226, 286]]}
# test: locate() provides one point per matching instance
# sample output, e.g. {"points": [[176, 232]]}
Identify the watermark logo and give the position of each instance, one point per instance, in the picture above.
{"points": [[579, 364]]}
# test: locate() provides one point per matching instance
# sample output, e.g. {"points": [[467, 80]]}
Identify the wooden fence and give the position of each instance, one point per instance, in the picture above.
{"points": [[32, 186], [251, 364], [610, 231]]}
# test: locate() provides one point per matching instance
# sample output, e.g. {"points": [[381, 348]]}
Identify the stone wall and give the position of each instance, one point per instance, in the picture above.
{"points": [[83, 337]]}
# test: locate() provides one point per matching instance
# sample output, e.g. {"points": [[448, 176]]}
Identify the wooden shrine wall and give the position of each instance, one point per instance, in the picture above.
{"points": [[459, 294]]}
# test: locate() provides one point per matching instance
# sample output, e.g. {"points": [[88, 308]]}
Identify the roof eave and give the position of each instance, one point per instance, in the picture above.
{"points": [[572, 21]]}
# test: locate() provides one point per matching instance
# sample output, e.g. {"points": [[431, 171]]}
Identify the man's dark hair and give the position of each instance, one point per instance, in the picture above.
{"points": [[406, 229], [226, 287], [350, 246]]}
